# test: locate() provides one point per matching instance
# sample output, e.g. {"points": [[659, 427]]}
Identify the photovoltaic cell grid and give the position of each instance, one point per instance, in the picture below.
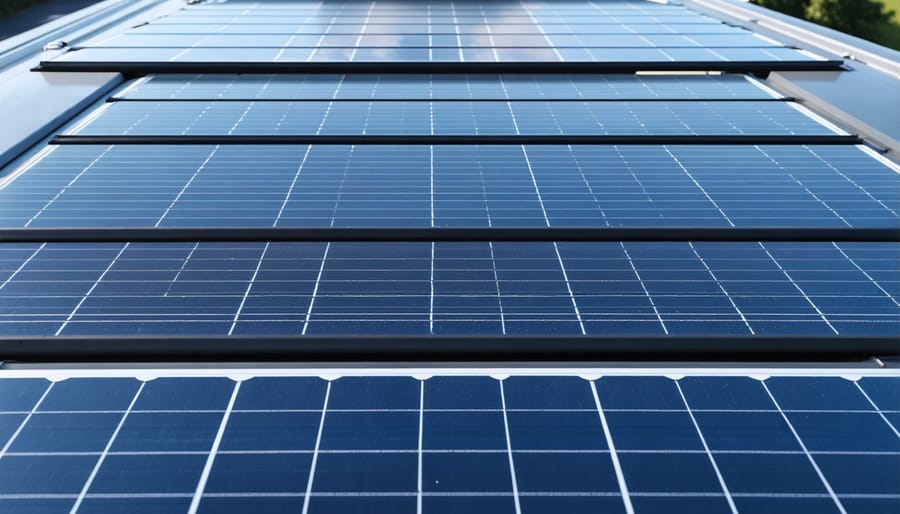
{"points": [[452, 186], [450, 288], [478, 32], [529, 444], [442, 87], [430, 118]]}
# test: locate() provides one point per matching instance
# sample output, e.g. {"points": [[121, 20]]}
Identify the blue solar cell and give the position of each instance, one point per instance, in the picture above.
{"points": [[260, 473], [75, 394], [21, 395], [262, 393], [144, 506], [884, 392], [44, 474], [673, 472], [55, 432], [167, 431], [171, 394], [370, 472], [466, 472], [161, 474]]}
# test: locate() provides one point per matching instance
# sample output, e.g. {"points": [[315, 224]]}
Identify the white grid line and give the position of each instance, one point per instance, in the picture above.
{"points": [[617, 466], [812, 461], [315, 456], [207, 468], [509, 452], [712, 460], [105, 452]]}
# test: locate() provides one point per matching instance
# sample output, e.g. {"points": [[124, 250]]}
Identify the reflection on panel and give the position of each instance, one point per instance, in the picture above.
{"points": [[506, 31]]}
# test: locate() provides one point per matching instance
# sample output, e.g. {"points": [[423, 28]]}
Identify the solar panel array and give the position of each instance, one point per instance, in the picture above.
{"points": [[388, 181], [627, 443], [160, 154]]}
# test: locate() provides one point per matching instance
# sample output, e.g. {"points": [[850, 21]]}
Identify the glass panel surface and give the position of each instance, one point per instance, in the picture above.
{"points": [[424, 118], [452, 186], [361, 441], [450, 288], [447, 87]]}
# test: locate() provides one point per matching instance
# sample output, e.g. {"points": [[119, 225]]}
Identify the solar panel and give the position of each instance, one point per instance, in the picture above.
{"points": [[451, 186], [447, 87], [477, 33], [450, 288], [301, 55], [513, 117], [175, 25], [626, 441]]}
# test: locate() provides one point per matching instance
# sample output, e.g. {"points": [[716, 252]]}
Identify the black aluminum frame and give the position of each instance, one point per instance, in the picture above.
{"points": [[452, 348]]}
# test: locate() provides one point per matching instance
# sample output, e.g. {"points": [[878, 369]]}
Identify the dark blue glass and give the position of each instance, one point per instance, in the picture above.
{"points": [[21, 395], [853, 474], [149, 474], [185, 394], [556, 430], [78, 432], [637, 430], [669, 472], [362, 505], [257, 504], [144, 506], [746, 431], [457, 504], [281, 393], [247, 431], [845, 431], [462, 393], [573, 504], [91, 394], [574, 472], [259, 473], [819, 393], [638, 393], [31, 474], [366, 472], [466, 473], [371, 430], [524, 392], [769, 473], [883, 391], [725, 393], [168, 431], [463, 430], [374, 393]]}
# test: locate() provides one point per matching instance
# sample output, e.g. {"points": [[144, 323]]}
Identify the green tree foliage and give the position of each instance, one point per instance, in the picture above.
{"points": [[858, 17], [795, 8], [10, 7]]}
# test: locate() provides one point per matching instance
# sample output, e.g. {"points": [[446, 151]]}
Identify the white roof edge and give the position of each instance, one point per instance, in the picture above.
{"points": [[804, 35]]}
